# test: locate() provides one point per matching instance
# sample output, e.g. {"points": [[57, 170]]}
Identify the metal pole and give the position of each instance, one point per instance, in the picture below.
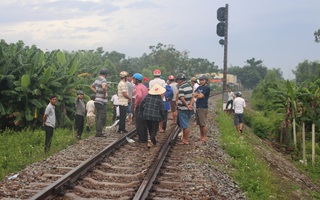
{"points": [[225, 60]]}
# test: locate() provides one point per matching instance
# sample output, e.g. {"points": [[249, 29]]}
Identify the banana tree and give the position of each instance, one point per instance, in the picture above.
{"points": [[282, 103], [292, 92], [310, 98]]}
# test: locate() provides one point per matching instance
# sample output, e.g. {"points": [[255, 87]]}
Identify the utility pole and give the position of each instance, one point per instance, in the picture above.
{"points": [[222, 31]]}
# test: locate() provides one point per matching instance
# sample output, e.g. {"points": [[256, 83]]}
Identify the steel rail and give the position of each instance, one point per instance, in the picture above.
{"points": [[57, 188], [143, 191]]}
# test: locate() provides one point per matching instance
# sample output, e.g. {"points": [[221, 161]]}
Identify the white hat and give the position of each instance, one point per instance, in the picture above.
{"points": [[157, 89]]}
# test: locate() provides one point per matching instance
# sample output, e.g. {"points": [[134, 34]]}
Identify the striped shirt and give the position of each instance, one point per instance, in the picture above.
{"points": [[99, 92], [185, 90], [122, 87]]}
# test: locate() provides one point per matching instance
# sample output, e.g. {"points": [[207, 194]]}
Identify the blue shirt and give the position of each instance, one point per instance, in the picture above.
{"points": [[203, 102]]}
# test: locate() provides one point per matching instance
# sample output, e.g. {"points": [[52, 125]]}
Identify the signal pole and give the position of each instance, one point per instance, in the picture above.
{"points": [[222, 31], [225, 59]]}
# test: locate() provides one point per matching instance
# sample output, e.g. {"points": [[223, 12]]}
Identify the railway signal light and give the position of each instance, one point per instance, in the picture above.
{"points": [[221, 16], [221, 29]]}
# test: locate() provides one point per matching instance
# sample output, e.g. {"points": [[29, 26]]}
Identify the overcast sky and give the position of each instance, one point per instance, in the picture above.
{"points": [[278, 32]]}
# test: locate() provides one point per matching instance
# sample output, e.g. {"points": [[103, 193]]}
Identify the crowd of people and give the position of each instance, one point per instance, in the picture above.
{"points": [[146, 104]]}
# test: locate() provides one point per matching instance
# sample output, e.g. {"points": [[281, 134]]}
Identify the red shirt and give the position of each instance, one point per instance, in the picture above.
{"points": [[141, 92]]}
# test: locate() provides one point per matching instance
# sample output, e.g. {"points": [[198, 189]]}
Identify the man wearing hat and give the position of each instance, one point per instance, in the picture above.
{"points": [[185, 106], [153, 111], [202, 95], [157, 78], [99, 87], [80, 112], [123, 99], [146, 81]]}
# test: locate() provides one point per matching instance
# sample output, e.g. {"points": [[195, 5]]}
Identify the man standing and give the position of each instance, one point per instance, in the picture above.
{"points": [[202, 95], [157, 79], [146, 82], [194, 85], [124, 99], [239, 106], [130, 87], [99, 87], [141, 92], [80, 112], [230, 98], [115, 106], [49, 122], [173, 103], [185, 106]]}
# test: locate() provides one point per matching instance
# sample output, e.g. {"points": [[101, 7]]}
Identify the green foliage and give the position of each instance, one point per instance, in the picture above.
{"points": [[262, 126], [262, 97], [28, 76], [317, 36], [252, 174], [251, 74], [17, 150], [307, 71]]}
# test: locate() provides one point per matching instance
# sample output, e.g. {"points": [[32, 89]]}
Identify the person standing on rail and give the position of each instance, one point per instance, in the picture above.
{"points": [[239, 106], [130, 87], [115, 106], [124, 99], [194, 85], [202, 95], [146, 82], [185, 106], [80, 113], [141, 93], [230, 98], [91, 113], [153, 111], [173, 103], [167, 97], [157, 79], [99, 87], [49, 122]]}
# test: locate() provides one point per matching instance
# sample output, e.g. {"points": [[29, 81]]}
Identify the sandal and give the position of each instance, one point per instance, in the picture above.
{"points": [[183, 143]]}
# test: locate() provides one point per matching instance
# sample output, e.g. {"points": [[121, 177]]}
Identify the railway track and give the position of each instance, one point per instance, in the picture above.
{"points": [[114, 168]]}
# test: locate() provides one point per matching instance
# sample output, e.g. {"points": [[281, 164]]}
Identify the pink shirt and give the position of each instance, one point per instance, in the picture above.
{"points": [[141, 92]]}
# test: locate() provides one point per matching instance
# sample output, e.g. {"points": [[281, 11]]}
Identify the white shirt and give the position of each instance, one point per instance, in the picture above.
{"points": [[90, 108], [158, 81], [115, 100], [239, 103], [230, 96]]}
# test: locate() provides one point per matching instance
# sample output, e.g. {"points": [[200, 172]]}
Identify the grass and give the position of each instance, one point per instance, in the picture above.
{"points": [[19, 149], [252, 174]]}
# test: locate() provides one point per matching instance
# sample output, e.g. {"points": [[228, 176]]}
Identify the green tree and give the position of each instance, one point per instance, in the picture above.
{"points": [[317, 35], [307, 71]]}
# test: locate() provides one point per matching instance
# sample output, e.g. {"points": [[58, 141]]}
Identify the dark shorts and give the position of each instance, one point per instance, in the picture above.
{"points": [[173, 106], [183, 118], [238, 119], [201, 116]]}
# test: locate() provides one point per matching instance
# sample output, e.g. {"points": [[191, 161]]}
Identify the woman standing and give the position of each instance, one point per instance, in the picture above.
{"points": [[153, 111]]}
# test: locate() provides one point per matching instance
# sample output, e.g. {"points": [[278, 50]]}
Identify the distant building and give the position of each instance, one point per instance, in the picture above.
{"points": [[217, 78]]}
